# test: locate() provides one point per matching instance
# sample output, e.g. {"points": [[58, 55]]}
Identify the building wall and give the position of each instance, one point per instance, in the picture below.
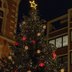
{"points": [[57, 29], [11, 17], [8, 26]]}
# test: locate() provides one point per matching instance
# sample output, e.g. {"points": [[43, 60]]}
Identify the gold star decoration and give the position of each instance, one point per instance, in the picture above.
{"points": [[33, 4]]}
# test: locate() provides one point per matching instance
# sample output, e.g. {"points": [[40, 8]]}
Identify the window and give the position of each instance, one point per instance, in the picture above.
{"points": [[59, 42], [1, 13], [52, 41], [0, 24], [1, 46], [70, 13], [71, 36], [71, 57], [65, 40], [0, 3]]}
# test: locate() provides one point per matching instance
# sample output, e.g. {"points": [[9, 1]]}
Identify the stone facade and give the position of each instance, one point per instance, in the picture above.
{"points": [[8, 23]]}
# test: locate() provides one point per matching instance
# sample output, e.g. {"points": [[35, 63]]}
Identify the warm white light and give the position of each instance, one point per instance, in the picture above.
{"points": [[23, 22], [9, 57], [26, 47], [62, 70], [38, 34], [44, 27], [29, 71], [38, 51]]}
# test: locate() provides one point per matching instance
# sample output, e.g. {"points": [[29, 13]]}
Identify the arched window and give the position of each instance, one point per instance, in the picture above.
{"points": [[0, 3], [1, 13], [1, 20]]}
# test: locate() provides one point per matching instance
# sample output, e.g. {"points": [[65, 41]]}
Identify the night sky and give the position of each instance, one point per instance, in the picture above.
{"points": [[48, 9]]}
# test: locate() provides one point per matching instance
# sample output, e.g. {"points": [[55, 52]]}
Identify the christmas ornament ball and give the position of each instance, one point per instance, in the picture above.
{"points": [[24, 38], [41, 64]]}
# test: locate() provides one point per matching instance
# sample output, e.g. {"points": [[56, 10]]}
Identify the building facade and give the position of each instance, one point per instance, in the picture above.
{"points": [[59, 33], [8, 22]]}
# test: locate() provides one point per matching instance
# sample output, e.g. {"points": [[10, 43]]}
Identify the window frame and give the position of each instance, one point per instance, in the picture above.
{"points": [[71, 57]]}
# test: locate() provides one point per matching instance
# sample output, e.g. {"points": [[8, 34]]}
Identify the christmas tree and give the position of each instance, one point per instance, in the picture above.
{"points": [[31, 51]]}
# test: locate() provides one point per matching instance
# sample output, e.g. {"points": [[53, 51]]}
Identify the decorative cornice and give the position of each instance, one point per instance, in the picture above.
{"points": [[7, 39]]}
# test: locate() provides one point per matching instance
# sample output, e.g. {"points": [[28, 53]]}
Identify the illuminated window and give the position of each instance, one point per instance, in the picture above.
{"points": [[59, 42], [65, 40], [52, 42]]}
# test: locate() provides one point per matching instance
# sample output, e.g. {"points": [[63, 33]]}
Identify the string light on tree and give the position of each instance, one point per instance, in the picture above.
{"points": [[23, 22], [38, 34], [44, 27], [29, 71], [38, 51], [26, 47], [9, 57], [62, 70]]}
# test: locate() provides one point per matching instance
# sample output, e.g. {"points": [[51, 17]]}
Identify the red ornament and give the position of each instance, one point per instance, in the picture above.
{"points": [[54, 55], [16, 43], [33, 41], [24, 38], [15, 70], [35, 67], [41, 64]]}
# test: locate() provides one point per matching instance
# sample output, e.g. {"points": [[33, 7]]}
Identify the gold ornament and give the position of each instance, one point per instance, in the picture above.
{"points": [[44, 27], [33, 4], [38, 34], [38, 51], [29, 71], [26, 47]]}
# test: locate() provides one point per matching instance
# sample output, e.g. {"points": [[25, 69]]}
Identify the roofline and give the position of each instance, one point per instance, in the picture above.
{"points": [[58, 18], [7, 39]]}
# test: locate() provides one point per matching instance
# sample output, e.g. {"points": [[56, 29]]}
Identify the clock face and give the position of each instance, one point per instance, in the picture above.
{"points": [[59, 42], [52, 42], [65, 40]]}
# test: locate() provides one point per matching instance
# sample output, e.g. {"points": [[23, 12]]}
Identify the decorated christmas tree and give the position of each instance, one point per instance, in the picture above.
{"points": [[31, 51]]}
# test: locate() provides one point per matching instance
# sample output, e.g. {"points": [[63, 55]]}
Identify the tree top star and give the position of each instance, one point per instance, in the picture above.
{"points": [[33, 4]]}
